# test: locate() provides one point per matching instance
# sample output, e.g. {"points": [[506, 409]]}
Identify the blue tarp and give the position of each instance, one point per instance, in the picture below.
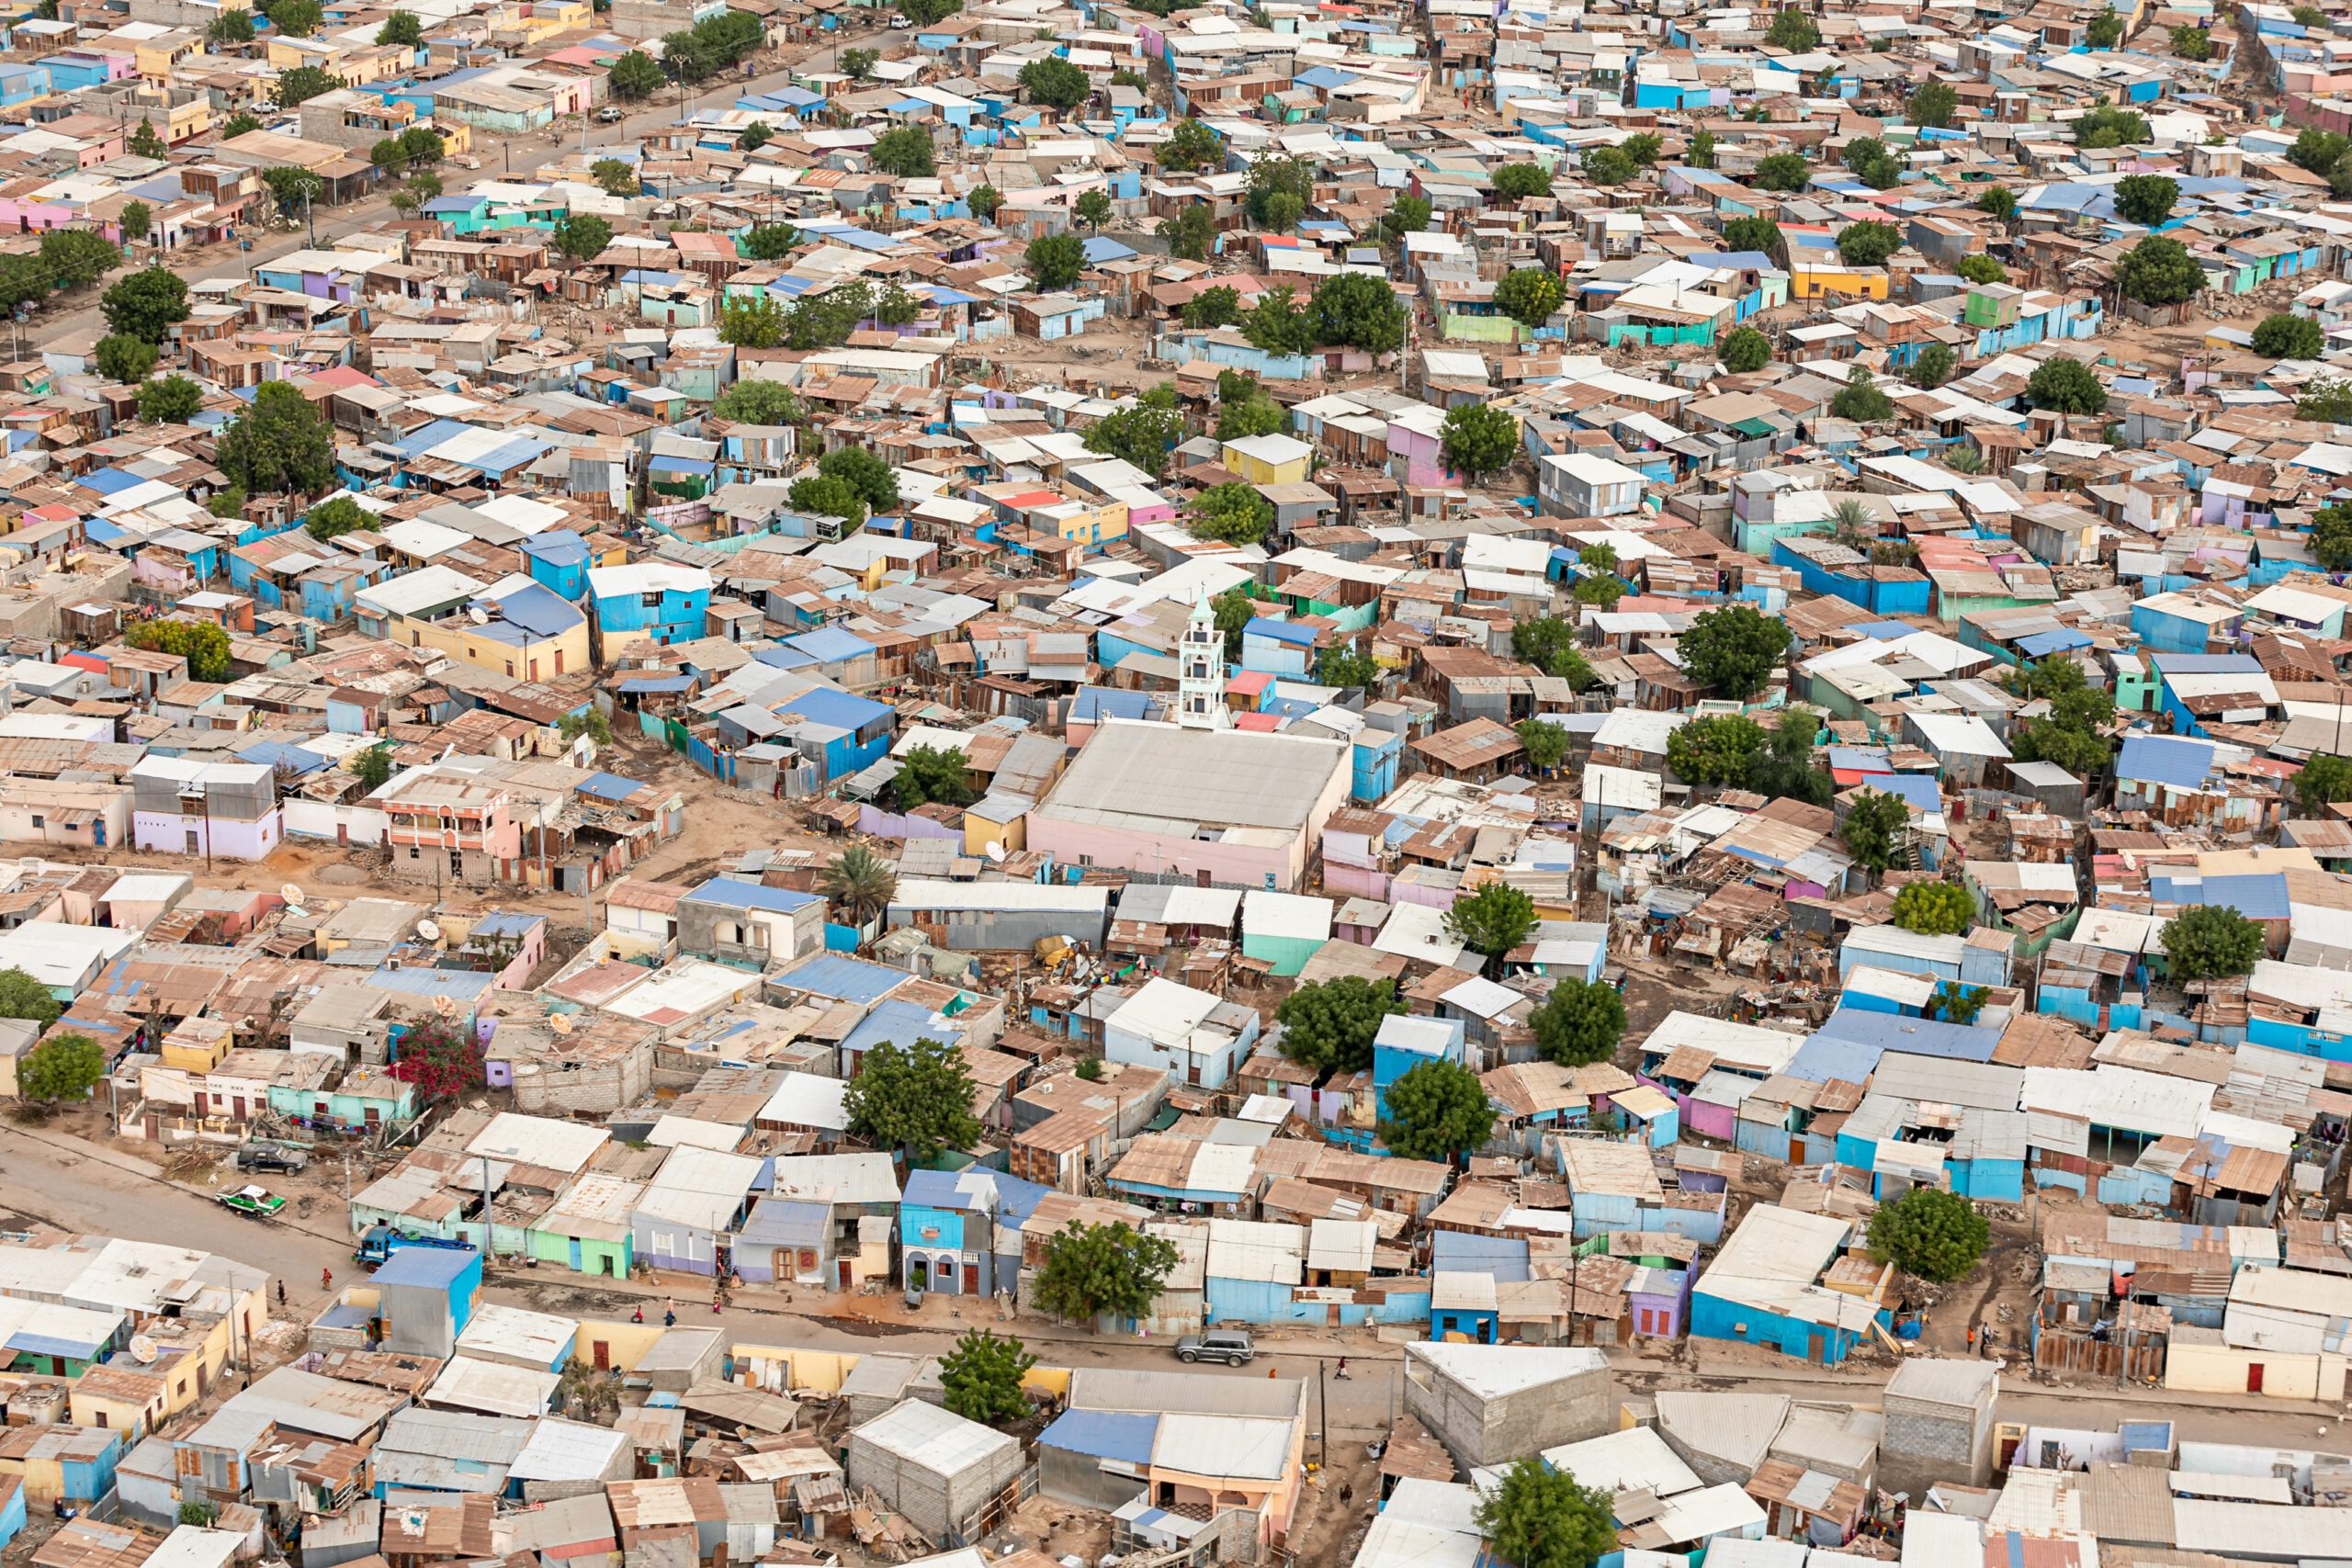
{"points": [[2174, 760], [1100, 250], [541, 611], [277, 754], [1281, 631], [1117, 1435], [841, 979], [609, 786], [109, 481]]}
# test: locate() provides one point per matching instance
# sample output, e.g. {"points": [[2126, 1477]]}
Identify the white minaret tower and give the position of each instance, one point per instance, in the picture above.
{"points": [[1200, 670]]}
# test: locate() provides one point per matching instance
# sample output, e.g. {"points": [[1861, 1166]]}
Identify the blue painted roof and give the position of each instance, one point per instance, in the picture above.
{"points": [[1913, 1037], [1916, 789], [1459, 1252], [1883, 631], [435, 1266], [456, 203], [751, 895], [2173, 759], [1823, 1057], [826, 705], [607, 787], [2040, 645], [557, 547], [539, 610], [938, 1190], [777, 1222], [1860, 758], [505, 923], [2261, 896], [1100, 701], [1323, 76], [1104, 1434], [899, 1023], [461, 984], [658, 684], [277, 754], [419, 442], [668, 465], [857, 239], [830, 976], [109, 481], [1016, 1200], [2207, 663], [1281, 631], [828, 643], [1100, 250]]}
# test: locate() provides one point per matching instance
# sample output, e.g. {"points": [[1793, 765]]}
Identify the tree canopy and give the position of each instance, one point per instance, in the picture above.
{"points": [[2324, 780], [1055, 83], [1492, 921], [1436, 1111], [904, 151], [1529, 294], [1515, 181], [1782, 171], [635, 76], [1188, 146], [2210, 941], [2159, 271], [2289, 336], [21, 996], [1929, 1233], [63, 1067], [1934, 366], [122, 357], [1537, 1516], [402, 28], [1329, 1025], [1733, 649], [2067, 386], [916, 1098], [1094, 1270], [932, 775], [1795, 31], [1752, 234], [1933, 908], [1860, 399], [1143, 434], [1875, 829], [1933, 104], [169, 399], [981, 1377], [1233, 512], [1355, 310], [1580, 1022], [145, 304], [1056, 260], [1718, 749], [2146, 200], [202, 644], [1478, 439], [1868, 244], [279, 443], [336, 516], [1746, 350]]}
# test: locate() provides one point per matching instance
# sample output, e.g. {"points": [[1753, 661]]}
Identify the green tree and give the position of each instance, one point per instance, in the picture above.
{"points": [[1955, 1003], [63, 1067], [239, 123], [1717, 750], [2310, 17], [200, 1515], [1055, 83], [1929, 1233], [1868, 244], [1107, 1269], [1478, 439], [984, 202], [145, 304], [1868, 160], [1700, 152], [1933, 105], [860, 883], [304, 82], [1733, 649], [1191, 145], [169, 399], [1784, 770], [2146, 200], [757, 402], [231, 28], [1218, 307], [770, 241], [1980, 268], [581, 235], [1545, 743], [1142, 435], [145, 142], [590, 722], [1191, 234], [1746, 350], [1998, 200], [755, 322], [905, 152], [929, 774], [1602, 587], [1876, 827], [2325, 779], [916, 1098], [2192, 44], [1406, 215], [1782, 171], [279, 443], [1233, 512], [2104, 125], [1089, 1068], [1092, 208], [1055, 261], [1529, 294], [2078, 751], [336, 516], [982, 1375], [1934, 366], [1280, 323], [635, 76], [1537, 1516], [858, 64], [615, 177], [2210, 941], [1605, 165], [1239, 420], [1436, 1111], [875, 482], [1329, 1025], [1356, 309], [400, 29], [1493, 920], [2289, 336], [1795, 31], [1272, 175], [2318, 151], [1759, 234], [2106, 30], [229, 503], [929, 12], [1861, 400], [1235, 611], [1580, 1022], [21, 996], [1643, 148], [126, 359], [202, 644], [1549, 644], [1516, 182], [2066, 385], [1934, 909]]}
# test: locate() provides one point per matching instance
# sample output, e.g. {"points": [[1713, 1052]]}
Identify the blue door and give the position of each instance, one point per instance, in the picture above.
{"points": [[575, 1255]]}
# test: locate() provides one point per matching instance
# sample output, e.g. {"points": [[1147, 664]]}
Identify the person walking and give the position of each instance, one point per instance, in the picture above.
{"points": [[281, 1292], [669, 1319], [326, 1280], [638, 1315]]}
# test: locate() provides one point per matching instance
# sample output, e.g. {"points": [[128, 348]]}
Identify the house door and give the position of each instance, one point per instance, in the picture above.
{"points": [[842, 1264], [603, 1351], [2254, 1377], [237, 1102], [195, 845], [574, 1248], [342, 835], [971, 1279]]}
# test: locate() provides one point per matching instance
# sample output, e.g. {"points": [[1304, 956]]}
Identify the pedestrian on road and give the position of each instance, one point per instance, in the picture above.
{"points": [[281, 1292], [1344, 1368], [669, 1319], [326, 1280], [1347, 1491], [638, 1317]]}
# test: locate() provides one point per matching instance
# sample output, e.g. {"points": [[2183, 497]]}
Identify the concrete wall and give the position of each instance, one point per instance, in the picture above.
{"points": [[1478, 1431], [934, 1503]]}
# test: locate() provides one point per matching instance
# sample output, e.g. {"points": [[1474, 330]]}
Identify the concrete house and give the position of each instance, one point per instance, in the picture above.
{"points": [[1938, 1425], [1193, 1034], [746, 923], [1492, 1404], [939, 1470]]}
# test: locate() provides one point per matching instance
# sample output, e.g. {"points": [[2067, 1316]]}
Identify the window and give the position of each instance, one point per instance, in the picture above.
{"points": [[37, 820], [650, 601]]}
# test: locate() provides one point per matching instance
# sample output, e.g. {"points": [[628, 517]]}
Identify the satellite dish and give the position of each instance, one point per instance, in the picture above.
{"points": [[442, 1005], [993, 849], [290, 892], [143, 1350], [560, 1022], [478, 615], [428, 930]]}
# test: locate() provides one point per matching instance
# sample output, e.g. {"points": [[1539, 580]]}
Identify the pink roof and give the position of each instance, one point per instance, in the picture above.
{"points": [[341, 376], [1265, 721], [1250, 681]]}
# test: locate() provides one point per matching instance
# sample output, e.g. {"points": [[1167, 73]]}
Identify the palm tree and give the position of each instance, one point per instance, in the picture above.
{"points": [[1853, 525], [861, 882]]}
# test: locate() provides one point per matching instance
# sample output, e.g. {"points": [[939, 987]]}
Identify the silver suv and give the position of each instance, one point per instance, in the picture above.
{"points": [[1230, 1346]]}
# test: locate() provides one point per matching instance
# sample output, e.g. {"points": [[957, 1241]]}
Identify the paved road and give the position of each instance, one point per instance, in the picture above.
{"points": [[63, 1182]]}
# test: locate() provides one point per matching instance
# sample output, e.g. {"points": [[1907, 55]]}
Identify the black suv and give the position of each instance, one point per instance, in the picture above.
{"points": [[270, 1157]]}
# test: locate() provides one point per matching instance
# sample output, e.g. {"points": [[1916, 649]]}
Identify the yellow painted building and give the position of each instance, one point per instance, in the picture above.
{"points": [[988, 822], [1853, 282], [1087, 525], [1268, 459], [430, 609]]}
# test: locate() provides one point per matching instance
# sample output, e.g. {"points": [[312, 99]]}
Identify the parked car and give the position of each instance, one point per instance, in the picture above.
{"points": [[270, 1157], [252, 1202], [1230, 1346], [607, 115]]}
